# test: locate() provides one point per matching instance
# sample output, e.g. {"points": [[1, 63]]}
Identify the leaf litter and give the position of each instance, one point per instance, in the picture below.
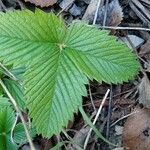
{"points": [[142, 50]]}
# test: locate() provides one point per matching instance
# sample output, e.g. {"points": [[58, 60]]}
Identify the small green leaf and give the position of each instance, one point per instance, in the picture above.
{"points": [[17, 92], [7, 117], [4, 102], [58, 61], [19, 134]]}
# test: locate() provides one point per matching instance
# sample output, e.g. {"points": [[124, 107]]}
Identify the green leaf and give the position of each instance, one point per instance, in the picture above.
{"points": [[19, 134], [16, 91], [7, 118], [86, 118], [98, 55], [6, 144], [4, 102], [58, 61]]}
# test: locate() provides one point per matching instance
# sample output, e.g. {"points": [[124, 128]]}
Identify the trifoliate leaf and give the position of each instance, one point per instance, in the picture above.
{"points": [[58, 59]]}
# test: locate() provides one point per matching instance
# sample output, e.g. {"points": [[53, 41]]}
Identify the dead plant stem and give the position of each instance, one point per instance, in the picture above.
{"points": [[96, 12], [96, 117]]}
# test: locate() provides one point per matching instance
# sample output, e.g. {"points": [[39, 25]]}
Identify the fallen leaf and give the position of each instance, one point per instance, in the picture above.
{"points": [[79, 138], [145, 50], [114, 13], [136, 133], [91, 9], [144, 92], [118, 130], [75, 10], [141, 11], [119, 148], [135, 40], [65, 4], [42, 3]]}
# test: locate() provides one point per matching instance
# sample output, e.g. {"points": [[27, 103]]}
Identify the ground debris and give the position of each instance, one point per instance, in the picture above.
{"points": [[136, 134], [113, 17], [42, 3]]}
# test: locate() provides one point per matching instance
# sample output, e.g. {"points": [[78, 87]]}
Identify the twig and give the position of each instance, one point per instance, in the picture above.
{"points": [[20, 114], [124, 28], [109, 112], [67, 6], [96, 13], [22, 6], [105, 14], [3, 6], [96, 117], [123, 118]]}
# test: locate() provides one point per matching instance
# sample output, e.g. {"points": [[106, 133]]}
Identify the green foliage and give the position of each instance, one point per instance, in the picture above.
{"points": [[14, 87], [16, 91], [58, 61], [4, 102], [7, 119]]}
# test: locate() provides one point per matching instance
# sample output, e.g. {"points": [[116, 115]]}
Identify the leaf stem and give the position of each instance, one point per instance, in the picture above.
{"points": [[13, 127], [20, 114]]}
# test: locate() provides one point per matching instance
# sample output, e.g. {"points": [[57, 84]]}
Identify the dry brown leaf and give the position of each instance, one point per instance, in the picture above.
{"points": [[144, 92], [145, 50], [141, 11], [136, 133], [65, 4], [79, 138], [42, 3], [89, 13], [135, 40], [114, 13]]}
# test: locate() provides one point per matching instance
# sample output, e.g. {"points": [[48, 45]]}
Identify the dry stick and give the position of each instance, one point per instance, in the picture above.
{"points": [[124, 28], [67, 6], [3, 6], [96, 117], [96, 13], [21, 5], [20, 114], [109, 112], [105, 14], [123, 118]]}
